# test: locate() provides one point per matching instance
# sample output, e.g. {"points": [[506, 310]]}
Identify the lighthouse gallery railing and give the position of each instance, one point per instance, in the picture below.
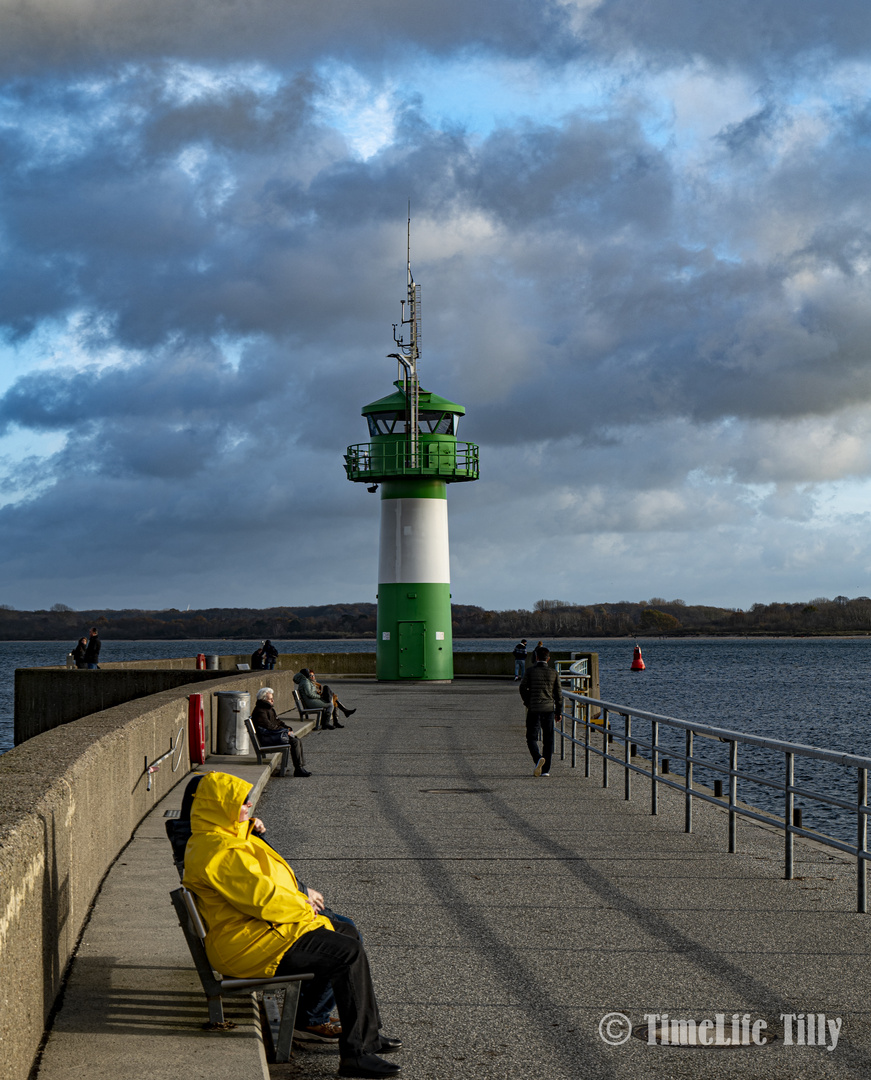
{"points": [[449, 459], [596, 718]]}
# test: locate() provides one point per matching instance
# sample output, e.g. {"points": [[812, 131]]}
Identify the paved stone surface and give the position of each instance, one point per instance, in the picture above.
{"points": [[504, 915], [504, 921]]}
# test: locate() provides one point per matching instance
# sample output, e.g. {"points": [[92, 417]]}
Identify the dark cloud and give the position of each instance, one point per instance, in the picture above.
{"points": [[75, 33], [656, 334], [753, 34]]}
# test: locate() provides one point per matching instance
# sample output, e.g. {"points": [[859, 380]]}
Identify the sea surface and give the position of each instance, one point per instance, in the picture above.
{"points": [[813, 691]]}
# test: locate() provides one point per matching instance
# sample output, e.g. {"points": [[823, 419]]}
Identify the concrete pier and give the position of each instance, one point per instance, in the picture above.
{"points": [[505, 917]]}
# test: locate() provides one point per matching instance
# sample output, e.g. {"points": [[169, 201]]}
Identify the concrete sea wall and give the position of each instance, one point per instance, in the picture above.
{"points": [[70, 800], [48, 697]]}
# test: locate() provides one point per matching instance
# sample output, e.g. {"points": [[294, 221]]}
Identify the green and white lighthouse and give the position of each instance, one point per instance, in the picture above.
{"points": [[412, 456]]}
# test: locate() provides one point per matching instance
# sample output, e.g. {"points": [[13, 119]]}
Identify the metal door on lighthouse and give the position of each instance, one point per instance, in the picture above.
{"points": [[412, 659]]}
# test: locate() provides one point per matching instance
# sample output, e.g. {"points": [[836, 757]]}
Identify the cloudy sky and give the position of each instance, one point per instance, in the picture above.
{"points": [[643, 233]]}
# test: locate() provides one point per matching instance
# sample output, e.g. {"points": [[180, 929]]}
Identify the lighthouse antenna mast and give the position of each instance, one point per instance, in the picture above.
{"points": [[409, 354]]}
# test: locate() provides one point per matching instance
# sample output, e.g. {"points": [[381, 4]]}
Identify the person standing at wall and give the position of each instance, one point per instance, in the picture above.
{"points": [[79, 652], [520, 659], [542, 695], [92, 652]]}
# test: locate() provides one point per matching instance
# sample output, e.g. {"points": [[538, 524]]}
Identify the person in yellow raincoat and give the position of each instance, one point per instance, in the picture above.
{"points": [[259, 922]]}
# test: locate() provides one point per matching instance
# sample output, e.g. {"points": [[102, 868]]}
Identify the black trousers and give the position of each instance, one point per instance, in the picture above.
{"points": [[337, 957], [268, 737], [542, 721]]}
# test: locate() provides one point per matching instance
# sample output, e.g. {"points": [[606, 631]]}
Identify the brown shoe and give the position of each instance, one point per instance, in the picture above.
{"points": [[325, 1033]]}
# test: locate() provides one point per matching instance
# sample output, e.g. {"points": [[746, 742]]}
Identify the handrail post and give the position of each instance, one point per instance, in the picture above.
{"points": [[588, 712], [688, 783], [627, 735], [788, 809], [606, 723], [861, 841], [574, 732], [654, 750], [733, 794], [562, 735]]}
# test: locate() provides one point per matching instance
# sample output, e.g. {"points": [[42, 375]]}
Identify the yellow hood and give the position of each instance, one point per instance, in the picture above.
{"points": [[217, 802]]}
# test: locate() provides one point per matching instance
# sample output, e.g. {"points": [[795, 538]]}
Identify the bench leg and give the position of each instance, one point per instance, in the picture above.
{"points": [[216, 1010], [283, 1048]]}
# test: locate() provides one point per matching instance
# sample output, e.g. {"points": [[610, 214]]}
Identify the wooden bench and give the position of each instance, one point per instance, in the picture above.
{"points": [[214, 987], [304, 713], [264, 754]]}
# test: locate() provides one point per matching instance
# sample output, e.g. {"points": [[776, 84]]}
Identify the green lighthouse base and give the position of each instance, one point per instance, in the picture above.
{"points": [[414, 639]]}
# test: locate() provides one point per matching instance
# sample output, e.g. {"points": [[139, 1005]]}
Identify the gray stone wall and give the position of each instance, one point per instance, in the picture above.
{"points": [[70, 800]]}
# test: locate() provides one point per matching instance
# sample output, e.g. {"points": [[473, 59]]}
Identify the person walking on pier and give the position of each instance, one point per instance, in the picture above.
{"points": [[274, 732], [261, 924], [542, 695]]}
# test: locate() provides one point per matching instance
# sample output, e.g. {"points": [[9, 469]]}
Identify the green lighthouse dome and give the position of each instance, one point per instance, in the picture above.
{"points": [[391, 453]]}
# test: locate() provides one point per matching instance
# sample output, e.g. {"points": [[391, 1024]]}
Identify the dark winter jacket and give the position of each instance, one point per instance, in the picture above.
{"points": [[265, 717], [540, 689], [92, 652]]}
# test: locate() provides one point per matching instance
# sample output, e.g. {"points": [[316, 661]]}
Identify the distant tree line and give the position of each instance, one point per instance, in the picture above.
{"points": [[548, 619], [675, 618], [61, 621]]}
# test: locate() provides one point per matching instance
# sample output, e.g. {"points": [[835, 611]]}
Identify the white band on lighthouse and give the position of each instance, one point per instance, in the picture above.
{"points": [[414, 541]]}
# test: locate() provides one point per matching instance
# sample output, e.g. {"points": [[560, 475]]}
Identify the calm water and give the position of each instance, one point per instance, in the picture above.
{"points": [[810, 690]]}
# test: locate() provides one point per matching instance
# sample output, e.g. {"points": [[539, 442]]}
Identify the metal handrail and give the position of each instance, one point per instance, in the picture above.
{"points": [[582, 713], [177, 744], [446, 458]]}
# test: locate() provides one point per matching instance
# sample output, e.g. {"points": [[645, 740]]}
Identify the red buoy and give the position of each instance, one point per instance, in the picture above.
{"points": [[637, 662]]}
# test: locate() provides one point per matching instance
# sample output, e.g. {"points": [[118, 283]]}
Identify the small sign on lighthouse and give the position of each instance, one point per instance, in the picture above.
{"points": [[412, 455]]}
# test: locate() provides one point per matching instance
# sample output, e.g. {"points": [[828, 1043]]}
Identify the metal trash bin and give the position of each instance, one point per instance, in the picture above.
{"points": [[234, 708], [213, 663]]}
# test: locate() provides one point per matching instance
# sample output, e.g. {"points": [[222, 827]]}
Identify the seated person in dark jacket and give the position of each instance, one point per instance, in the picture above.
{"points": [[274, 732]]}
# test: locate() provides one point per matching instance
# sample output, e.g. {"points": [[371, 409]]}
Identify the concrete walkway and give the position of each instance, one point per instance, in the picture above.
{"points": [[505, 916]]}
